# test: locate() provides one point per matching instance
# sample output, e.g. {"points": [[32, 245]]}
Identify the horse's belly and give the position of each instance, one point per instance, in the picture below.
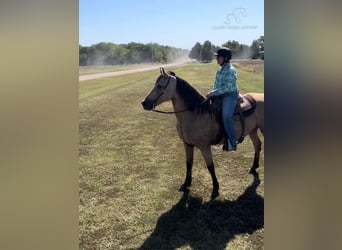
{"points": [[200, 135]]}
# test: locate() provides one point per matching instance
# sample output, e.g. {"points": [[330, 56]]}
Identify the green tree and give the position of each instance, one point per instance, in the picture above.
{"points": [[207, 52], [261, 46], [239, 51], [243, 51], [83, 56], [261, 42], [113, 54], [195, 52], [257, 48]]}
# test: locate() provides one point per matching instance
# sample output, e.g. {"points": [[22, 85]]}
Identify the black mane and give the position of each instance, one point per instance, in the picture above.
{"points": [[193, 100]]}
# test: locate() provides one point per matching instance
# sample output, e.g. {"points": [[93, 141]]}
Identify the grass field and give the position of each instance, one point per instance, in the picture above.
{"points": [[132, 163]]}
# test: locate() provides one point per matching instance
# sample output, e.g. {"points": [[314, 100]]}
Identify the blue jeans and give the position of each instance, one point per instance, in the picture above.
{"points": [[229, 101]]}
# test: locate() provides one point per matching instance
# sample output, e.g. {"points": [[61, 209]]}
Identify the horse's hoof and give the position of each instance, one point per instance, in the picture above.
{"points": [[214, 195], [184, 189]]}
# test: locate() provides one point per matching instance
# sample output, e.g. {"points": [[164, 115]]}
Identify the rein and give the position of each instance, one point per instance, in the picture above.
{"points": [[169, 112], [175, 112]]}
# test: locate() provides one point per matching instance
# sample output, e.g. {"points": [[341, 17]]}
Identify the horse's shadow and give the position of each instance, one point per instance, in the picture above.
{"points": [[209, 225]]}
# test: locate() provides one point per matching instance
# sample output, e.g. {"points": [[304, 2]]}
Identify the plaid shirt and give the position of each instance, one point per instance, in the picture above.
{"points": [[225, 81]]}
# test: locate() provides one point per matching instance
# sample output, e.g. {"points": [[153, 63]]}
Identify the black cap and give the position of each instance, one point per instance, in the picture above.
{"points": [[225, 52]]}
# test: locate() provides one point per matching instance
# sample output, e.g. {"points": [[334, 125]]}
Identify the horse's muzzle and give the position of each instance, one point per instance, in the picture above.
{"points": [[147, 105]]}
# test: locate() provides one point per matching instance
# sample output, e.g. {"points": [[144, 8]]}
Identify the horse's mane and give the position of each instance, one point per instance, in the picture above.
{"points": [[193, 100]]}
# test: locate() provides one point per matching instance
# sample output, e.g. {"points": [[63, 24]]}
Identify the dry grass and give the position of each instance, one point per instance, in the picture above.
{"points": [[250, 65], [132, 162]]}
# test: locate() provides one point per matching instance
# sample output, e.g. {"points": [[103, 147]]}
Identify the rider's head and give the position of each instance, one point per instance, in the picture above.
{"points": [[225, 54]]}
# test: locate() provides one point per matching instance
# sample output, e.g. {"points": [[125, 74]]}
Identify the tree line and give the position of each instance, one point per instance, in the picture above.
{"points": [[117, 54], [206, 51]]}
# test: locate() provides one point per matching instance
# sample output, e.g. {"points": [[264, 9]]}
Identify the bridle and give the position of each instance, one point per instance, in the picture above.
{"points": [[161, 93]]}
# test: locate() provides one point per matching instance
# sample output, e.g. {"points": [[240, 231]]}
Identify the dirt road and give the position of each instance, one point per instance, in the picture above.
{"points": [[124, 72]]}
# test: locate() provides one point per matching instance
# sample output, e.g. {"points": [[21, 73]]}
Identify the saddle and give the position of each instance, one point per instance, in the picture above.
{"points": [[245, 106]]}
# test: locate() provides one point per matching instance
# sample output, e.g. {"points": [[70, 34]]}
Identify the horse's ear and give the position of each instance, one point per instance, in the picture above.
{"points": [[171, 73], [163, 73]]}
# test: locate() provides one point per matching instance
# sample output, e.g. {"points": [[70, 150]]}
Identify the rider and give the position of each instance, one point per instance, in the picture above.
{"points": [[226, 87]]}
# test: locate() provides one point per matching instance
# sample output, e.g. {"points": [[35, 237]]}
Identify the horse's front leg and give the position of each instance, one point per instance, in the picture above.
{"points": [[206, 152], [189, 151]]}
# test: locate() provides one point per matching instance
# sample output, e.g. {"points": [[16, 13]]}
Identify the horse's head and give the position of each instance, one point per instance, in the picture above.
{"points": [[163, 90]]}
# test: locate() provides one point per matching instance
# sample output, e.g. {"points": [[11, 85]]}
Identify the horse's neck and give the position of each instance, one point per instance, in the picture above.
{"points": [[192, 126], [183, 117], [178, 103]]}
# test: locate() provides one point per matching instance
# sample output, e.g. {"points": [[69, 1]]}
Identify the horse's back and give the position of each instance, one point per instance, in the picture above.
{"points": [[259, 111], [259, 97]]}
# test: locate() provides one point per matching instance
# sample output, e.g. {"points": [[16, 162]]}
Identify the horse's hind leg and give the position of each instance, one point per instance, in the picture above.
{"points": [[206, 152], [257, 148], [189, 151]]}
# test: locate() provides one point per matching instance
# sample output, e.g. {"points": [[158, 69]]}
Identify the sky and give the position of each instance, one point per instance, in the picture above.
{"points": [[176, 23]]}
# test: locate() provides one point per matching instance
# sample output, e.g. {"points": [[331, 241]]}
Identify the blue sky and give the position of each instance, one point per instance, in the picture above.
{"points": [[177, 23]]}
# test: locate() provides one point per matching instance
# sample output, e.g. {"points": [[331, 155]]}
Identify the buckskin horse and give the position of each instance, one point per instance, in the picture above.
{"points": [[197, 126]]}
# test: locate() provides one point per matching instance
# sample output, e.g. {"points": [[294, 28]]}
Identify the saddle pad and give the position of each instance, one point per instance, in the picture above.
{"points": [[245, 103]]}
